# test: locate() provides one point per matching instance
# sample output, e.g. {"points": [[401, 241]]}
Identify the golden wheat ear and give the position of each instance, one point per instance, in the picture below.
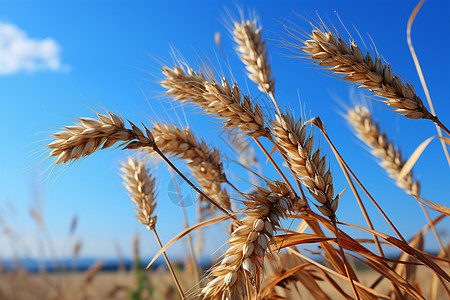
{"points": [[328, 50], [141, 187], [89, 135], [219, 99], [369, 132], [249, 242], [310, 167], [204, 161], [253, 53]]}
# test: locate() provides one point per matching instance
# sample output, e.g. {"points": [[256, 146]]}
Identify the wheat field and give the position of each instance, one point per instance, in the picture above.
{"points": [[279, 200]]}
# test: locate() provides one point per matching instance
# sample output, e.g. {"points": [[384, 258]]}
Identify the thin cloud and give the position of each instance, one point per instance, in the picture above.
{"points": [[19, 53]]}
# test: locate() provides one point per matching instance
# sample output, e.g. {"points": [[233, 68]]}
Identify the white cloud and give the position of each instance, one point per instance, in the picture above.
{"points": [[18, 52]]}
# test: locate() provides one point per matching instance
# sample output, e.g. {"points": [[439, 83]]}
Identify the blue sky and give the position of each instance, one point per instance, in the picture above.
{"points": [[71, 57]]}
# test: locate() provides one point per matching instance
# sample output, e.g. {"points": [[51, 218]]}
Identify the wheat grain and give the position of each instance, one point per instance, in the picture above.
{"points": [[391, 158], [327, 49], [219, 99], [205, 163], [310, 168], [141, 187], [88, 135], [253, 53], [249, 242]]}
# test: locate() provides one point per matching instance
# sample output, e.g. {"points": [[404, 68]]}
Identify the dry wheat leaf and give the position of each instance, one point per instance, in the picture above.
{"points": [[291, 239], [309, 281], [335, 285], [437, 207], [185, 232], [391, 275], [360, 286], [407, 249], [283, 276], [416, 154], [302, 226]]}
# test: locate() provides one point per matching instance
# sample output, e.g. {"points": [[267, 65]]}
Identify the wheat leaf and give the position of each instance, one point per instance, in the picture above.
{"points": [[417, 153]]}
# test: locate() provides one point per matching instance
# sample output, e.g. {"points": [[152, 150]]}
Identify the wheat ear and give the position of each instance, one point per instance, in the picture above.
{"points": [[219, 99], [253, 53], [141, 186], [327, 49], [88, 135], [391, 158], [203, 161], [310, 168], [250, 242]]}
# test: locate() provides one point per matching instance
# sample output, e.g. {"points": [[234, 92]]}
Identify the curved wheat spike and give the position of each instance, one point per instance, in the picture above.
{"points": [[310, 167], [141, 187], [328, 50], [253, 53], [391, 158], [88, 135], [204, 162], [219, 99]]}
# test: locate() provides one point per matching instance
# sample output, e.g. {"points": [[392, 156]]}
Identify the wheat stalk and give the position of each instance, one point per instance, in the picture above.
{"points": [[88, 135], [253, 53], [250, 242], [328, 50], [204, 162], [310, 168], [216, 98], [391, 158]]}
